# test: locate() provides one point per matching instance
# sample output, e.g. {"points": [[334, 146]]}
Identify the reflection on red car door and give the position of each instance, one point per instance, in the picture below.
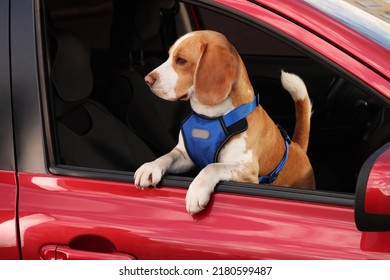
{"points": [[65, 217], [8, 226]]}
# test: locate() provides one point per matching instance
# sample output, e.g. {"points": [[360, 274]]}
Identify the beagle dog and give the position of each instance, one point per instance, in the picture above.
{"points": [[206, 70]]}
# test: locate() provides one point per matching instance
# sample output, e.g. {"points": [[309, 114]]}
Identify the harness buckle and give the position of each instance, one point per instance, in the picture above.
{"points": [[269, 178], [257, 97], [284, 134]]}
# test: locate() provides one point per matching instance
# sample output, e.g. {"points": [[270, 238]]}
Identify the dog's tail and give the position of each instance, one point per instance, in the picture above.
{"points": [[297, 89]]}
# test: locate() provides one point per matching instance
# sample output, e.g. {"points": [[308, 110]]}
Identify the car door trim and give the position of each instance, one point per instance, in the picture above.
{"points": [[317, 196]]}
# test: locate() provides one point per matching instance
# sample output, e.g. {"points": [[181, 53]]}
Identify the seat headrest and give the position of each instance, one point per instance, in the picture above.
{"points": [[71, 69], [148, 18], [136, 23]]}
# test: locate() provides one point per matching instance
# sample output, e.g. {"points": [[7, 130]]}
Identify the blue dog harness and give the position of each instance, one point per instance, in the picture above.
{"points": [[204, 137]]}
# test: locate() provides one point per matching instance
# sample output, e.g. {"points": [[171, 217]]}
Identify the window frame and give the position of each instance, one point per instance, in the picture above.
{"points": [[327, 197], [7, 159]]}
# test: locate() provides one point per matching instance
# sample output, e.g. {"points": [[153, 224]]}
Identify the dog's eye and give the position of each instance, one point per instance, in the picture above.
{"points": [[181, 61]]}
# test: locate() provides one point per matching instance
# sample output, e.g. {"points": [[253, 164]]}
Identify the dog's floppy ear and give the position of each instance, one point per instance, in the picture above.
{"points": [[215, 74]]}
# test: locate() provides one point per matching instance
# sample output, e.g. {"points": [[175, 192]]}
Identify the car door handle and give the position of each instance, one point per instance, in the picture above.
{"points": [[63, 252]]}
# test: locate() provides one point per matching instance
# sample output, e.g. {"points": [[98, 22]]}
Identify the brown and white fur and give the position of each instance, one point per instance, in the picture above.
{"points": [[204, 68]]}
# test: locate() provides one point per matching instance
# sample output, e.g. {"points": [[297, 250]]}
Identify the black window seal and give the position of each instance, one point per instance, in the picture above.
{"points": [[316, 196]]}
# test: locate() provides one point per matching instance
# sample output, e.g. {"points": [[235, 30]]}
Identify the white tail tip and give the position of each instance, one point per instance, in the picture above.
{"points": [[294, 85]]}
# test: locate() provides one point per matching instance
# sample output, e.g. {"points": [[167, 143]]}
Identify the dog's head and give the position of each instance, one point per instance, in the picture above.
{"points": [[201, 65]]}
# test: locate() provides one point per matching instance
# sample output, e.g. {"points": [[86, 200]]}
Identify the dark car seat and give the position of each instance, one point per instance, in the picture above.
{"points": [[135, 25], [88, 134]]}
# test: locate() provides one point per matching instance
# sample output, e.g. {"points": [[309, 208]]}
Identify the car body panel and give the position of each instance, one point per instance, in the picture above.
{"points": [[77, 217], [9, 244], [9, 247], [7, 159], [153, 223], [27, 88]]}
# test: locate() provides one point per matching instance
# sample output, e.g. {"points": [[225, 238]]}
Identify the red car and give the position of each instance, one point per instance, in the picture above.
{"points": [[77, 120]]}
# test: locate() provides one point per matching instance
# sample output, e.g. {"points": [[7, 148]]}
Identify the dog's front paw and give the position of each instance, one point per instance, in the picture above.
{"points": [[198, 196], [149, 174]]}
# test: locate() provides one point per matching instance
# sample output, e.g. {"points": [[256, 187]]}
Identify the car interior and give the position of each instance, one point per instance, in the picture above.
{"points": [[105, 117]]}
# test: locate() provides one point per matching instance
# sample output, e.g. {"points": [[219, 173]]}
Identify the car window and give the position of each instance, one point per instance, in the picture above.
{"points": [[84, 19], [264, 56], [105, 118], [246, 39]]}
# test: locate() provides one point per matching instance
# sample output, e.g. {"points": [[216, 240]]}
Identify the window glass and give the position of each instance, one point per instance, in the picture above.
{"points": [[245, 38], [89, 19], [109, 119]]}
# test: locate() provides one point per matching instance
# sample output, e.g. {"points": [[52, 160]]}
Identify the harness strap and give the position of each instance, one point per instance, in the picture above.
{"points": [[204, 137], [245, 110], [204, 149], [271, 177], [241, 111]]}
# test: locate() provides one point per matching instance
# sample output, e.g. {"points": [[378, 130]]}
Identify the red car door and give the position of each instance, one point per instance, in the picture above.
{"points": [[75, 218]]}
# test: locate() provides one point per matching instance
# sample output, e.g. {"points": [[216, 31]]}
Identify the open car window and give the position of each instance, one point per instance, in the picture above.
{"points": [[105, 119]]}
